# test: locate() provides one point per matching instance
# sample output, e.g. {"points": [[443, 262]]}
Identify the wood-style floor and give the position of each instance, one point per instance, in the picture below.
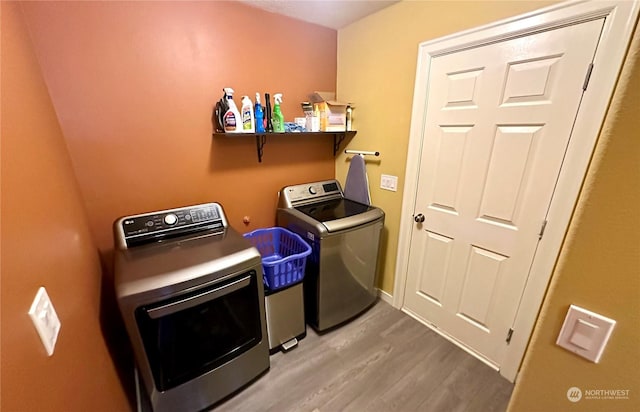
{"points": [[381, 361]]}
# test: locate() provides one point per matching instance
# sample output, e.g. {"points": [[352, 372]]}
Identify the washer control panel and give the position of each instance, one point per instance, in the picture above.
{"points": [[310, 191], [150, 227]]}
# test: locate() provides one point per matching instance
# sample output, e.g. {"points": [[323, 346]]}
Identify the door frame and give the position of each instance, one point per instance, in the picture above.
{"points": [[621, 17]]}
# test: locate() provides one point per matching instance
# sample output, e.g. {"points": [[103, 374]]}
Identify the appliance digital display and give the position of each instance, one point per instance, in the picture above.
{"points": [[201, 215], [330, 187]]}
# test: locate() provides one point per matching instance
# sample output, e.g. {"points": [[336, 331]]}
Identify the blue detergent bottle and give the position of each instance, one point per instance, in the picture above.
{"points": [[259, 115]]}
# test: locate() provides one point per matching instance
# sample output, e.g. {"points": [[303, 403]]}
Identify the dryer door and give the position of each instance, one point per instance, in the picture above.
{"points": [[189, 335]]}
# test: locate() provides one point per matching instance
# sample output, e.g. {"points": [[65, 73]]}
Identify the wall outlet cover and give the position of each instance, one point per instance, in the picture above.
{"points": [[45, 319]]}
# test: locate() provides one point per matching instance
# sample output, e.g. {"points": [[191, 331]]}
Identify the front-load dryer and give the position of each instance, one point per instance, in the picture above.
{"points": [[190, 292]]}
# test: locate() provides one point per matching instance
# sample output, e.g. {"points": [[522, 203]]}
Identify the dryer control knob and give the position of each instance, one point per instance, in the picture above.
{"points": [[171, 219], [312, 190]]}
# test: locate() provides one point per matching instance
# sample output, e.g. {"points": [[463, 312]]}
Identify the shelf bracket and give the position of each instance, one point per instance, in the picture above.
{"points": [[261, 139], [337, 139]]}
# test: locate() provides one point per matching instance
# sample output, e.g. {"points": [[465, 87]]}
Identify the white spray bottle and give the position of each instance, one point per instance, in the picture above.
{"points": [[232, 120], [248, 118]]}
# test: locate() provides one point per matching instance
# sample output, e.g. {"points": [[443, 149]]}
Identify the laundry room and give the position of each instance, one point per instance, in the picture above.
{"points": [[108, 111]]}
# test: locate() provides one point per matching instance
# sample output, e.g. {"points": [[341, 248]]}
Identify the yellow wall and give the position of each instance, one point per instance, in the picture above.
{"points": [[599, 266], [599, 269], [377, 59]]}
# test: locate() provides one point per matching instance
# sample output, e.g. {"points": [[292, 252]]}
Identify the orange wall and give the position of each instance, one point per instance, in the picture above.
{"points": [[45, 242], [134, 83], [106, 110]]}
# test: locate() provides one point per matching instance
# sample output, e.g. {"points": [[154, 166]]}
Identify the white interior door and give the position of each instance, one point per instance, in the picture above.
{"points": [[498, 121]]}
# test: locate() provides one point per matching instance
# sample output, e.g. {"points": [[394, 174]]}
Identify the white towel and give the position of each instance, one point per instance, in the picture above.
{"points": [[357, 186]]}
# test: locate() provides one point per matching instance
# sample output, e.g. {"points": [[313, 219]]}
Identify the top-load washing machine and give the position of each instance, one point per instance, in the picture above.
{"points": [[341, 272]]}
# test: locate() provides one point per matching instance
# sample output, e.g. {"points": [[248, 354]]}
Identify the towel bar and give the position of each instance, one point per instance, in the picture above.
{"points": [[362, 152]]}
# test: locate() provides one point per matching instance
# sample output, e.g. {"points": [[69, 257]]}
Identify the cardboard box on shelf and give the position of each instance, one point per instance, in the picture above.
{"points": [[333, 114]]}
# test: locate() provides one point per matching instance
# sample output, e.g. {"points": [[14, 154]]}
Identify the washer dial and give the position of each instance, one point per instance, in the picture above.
{"points": [[171, 219]]}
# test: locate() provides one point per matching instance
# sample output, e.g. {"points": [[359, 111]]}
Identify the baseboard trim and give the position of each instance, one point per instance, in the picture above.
{"points": [[453, 340], [385, 296]]}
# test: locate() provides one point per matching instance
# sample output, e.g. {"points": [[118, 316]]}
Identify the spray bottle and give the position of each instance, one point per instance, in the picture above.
{"points": [[248, 119], [231, 118], [278, 117], [259, 115]]}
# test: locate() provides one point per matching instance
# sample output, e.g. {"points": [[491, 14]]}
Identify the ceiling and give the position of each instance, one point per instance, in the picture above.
{"points": [[334, 14]]}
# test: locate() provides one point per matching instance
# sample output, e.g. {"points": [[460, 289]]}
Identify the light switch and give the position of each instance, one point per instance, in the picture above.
{"points": [[45, 319], [585, 333]]}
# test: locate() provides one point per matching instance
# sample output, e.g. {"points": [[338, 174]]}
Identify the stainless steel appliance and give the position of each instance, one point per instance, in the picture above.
{"points": [[285, 317], [345, 238], [190, 292]]}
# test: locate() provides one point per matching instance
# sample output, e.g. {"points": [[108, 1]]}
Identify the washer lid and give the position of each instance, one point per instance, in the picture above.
{"points": [[340, 214], [334, 209]]}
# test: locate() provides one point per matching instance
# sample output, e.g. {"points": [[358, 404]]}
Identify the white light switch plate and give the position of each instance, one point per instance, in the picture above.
{"points": [[388, 182], [45, 319], [585, 333]]}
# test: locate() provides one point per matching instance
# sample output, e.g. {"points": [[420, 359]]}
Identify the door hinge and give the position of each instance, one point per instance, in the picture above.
{"points": [[509, 334], [544, 225], [587, 77]]}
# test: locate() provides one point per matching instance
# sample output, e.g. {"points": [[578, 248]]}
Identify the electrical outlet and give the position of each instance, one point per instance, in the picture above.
{"points": [[388, 182], [45, 319]]}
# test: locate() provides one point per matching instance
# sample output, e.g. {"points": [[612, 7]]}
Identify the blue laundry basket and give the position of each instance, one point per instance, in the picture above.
{"points": [[284, 255]]}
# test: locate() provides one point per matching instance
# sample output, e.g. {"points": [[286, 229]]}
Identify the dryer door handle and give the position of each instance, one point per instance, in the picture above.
{"points": [[192, 301]]}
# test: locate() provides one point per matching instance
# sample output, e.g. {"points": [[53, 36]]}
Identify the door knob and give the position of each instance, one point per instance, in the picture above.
{"points": [[419, 218]]}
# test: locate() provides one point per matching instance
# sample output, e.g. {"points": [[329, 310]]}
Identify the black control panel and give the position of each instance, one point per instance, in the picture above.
{"points": [[330, 187], [149, 227]]}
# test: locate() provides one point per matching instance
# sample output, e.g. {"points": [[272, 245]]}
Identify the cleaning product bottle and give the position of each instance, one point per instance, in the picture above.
{"points": [[232, 120], [248, 119], [278, 117], [315, 119], [259, 115], [218, 114], [269, 123]]}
